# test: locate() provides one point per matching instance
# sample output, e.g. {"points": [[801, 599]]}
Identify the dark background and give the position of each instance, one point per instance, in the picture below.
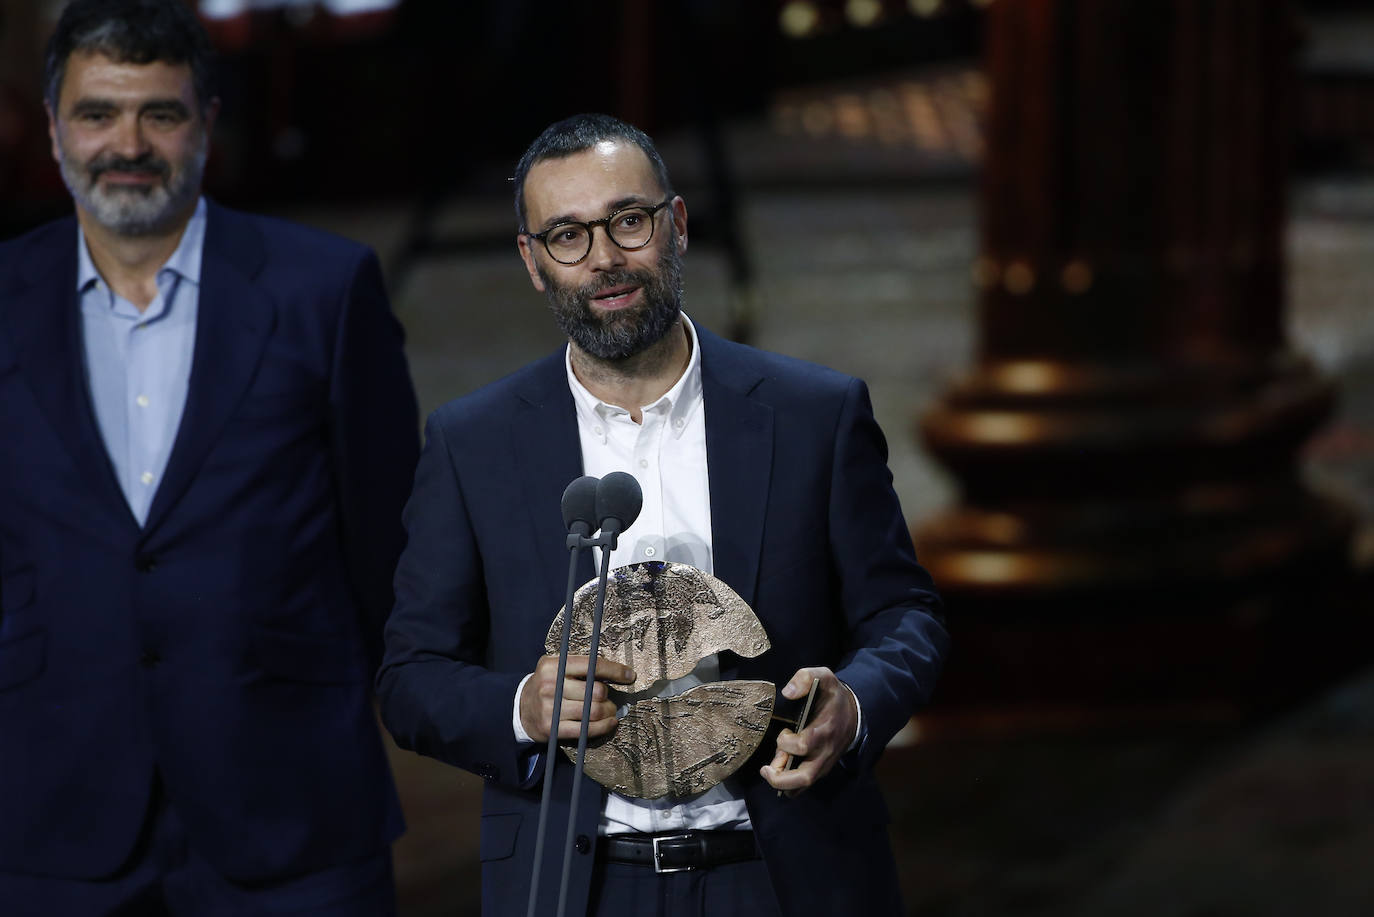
{"points": [[834, 155]]}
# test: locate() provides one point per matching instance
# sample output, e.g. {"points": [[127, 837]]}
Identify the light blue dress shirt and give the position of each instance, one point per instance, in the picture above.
{"points": [[138, 364]]}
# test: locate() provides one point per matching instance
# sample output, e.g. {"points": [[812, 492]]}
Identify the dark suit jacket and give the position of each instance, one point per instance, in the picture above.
{"points": [[805, 527], [229, 643]]}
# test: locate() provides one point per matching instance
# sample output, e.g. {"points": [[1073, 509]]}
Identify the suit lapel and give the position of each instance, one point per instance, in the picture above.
{"points": [[44, 321], [739, 460], [548, 457], [234, 319], [739, 444]]}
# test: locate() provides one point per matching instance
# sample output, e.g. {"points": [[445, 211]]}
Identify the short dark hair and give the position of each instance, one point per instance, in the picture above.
{"points": [[131, 32], [578, 133]]}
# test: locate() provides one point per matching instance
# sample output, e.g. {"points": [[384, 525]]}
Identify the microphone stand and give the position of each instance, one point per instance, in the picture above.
{"points": [[617, 503], [579, 530], [607, 542]]}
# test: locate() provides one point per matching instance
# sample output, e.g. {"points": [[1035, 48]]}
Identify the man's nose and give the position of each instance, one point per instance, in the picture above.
{"points": [[129, 140], [605, 254]]}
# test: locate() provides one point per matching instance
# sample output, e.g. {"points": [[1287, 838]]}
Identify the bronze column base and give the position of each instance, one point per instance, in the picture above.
{"points": [[1136, 535]]}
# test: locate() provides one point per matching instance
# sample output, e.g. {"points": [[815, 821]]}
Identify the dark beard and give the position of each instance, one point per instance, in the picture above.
{"points": [[619, 335]]}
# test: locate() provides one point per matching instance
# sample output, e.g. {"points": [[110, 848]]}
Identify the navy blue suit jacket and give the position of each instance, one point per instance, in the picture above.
{"points": [[229, 643], [805, 527]]}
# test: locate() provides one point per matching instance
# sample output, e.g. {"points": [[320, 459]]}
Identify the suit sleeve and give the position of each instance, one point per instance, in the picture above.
{"points": [[894, 625], [437, 696], [375, 441]]}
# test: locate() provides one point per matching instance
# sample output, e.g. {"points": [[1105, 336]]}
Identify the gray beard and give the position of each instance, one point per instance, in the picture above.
{"points": [[136, 211], [620, 335]]}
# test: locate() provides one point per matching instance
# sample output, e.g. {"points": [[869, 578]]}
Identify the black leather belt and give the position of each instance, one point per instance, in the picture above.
{"points": [[682, 851]]}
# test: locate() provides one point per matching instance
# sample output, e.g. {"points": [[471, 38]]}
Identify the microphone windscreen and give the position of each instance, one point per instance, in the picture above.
{"points": [[579, 504], [618, 498]]}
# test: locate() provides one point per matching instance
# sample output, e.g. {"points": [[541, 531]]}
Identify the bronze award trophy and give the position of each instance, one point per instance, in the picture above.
{"points": [[661, 619]]}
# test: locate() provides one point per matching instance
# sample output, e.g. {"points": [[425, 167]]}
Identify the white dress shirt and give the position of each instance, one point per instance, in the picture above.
{"points": [[666, 453], [138, 364]]}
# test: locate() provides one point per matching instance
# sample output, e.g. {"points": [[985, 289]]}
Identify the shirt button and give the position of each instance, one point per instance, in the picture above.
{"points": [[146, 477], [598, 431], [643, 463], [650, 551], [679, 422], [141, 401]]}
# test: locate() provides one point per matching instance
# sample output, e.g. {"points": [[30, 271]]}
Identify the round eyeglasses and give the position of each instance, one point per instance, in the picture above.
{"points": [[630, 228]]}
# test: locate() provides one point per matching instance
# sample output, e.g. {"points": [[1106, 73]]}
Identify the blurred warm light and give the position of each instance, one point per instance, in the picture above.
{"points": [[984, 272], [1002, 528], [1363, 549], [1018, 568], [924, 7], [1077, 277], [851, 115], [887, 117], [863, 13], [975, 88], [988, 567], [1029, 377], [1001, 427], [799, 19], [1019, 278], [963, 129], [940, 115], [817, 119], [923, 117]]}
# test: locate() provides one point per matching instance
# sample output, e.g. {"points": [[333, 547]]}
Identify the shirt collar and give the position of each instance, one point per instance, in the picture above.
{"points": [[677, 403], [184, 261]]}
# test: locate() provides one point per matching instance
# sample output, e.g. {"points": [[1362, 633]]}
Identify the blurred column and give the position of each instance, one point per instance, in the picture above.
{"points": [[21, 45], [21, 92], [30, 186], [1133, 527]]}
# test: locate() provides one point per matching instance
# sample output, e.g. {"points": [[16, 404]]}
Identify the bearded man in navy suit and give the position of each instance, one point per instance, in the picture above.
{"points": [[767, 472], [207, 431]]}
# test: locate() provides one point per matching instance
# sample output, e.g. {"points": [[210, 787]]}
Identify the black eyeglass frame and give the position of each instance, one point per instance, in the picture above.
{"points": [[604, 223]]}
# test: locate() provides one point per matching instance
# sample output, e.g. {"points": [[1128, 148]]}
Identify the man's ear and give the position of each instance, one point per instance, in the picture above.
{"points": [[522, 242], [52, 132], [679, 210]]}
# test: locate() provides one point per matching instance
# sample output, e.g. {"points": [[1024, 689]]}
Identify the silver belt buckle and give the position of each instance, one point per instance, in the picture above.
{"points": [[668, 837]]}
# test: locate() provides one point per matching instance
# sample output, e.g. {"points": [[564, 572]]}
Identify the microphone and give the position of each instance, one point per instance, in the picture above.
{"points": [[618, 502], [611, 504], [580, 518], [579, 506]]}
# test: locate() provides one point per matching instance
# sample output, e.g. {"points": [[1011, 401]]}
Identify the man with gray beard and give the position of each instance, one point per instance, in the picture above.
{"points": [[766, 472], [208, 431]]}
